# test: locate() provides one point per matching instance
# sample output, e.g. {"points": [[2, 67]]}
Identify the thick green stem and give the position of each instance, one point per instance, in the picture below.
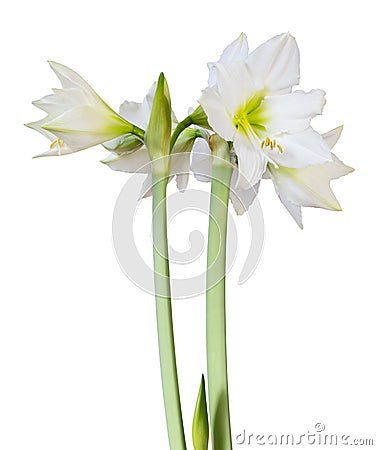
{"points": [[164, 317], [216, 323]]}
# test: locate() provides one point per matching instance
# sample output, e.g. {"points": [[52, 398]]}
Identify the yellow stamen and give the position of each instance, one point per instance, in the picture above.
{"points": [[272, 144], [57, 143]]}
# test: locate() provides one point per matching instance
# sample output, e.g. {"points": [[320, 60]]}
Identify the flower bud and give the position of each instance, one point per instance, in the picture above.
{"points": [[122, 144], [200, 429], [158, 132]]}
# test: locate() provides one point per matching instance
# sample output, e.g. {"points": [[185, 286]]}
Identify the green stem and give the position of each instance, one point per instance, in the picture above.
{"points": [[178, 130], [197, 117], [164, 317], [216, 323]]}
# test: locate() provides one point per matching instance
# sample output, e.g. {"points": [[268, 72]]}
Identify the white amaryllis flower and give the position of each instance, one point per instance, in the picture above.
{"points": [[309, 186], [128, 155], [77, 117], [250, 102]]}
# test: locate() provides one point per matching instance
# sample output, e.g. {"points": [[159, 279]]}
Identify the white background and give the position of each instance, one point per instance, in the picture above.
{"points": [[79, 361]]}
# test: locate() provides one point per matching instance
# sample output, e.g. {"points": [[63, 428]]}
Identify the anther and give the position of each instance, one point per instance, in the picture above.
{"points": [[271, 144], [57, 143]]}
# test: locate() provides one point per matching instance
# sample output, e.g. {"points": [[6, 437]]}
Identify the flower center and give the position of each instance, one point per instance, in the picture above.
{"points": [[250, 114], [252, 117]]}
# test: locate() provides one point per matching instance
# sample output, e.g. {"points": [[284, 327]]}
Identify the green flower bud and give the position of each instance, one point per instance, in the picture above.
{"points": [[158, 132], [200, 428], [122, 144]]}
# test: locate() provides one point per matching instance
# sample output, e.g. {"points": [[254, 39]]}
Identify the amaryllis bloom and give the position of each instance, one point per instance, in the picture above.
{"points": [[249, 101], [309, 186], [129, 154], [77, 117]]}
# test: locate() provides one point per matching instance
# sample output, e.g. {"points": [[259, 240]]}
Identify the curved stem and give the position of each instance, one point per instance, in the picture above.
{"points": [[164, 317], [178, 130], [140, 133], [216, 315]]}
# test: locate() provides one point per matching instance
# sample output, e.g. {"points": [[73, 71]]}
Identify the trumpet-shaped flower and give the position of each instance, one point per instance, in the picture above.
{"points": [[309, 186], [77, 117], [250, 102]]}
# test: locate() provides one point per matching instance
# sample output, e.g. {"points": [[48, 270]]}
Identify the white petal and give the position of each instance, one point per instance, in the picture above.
{"points": [[291, 112], [310, 186], [180, 166], [55, 105], [71, 98], [300, 149], [37, 126], [275, 65], [135, 113], [236, 51], [137, 161], [234, 83], [148, 100], [332, 137], [183, 173], [69, 78], [72, 80], [251, 160], [139, 113], [52, 104], [57, 148], [146, 188], [212, 78], [294, 210], [241, 199], [201, 163], [336, 168], [85, 127], [218, 115]]}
